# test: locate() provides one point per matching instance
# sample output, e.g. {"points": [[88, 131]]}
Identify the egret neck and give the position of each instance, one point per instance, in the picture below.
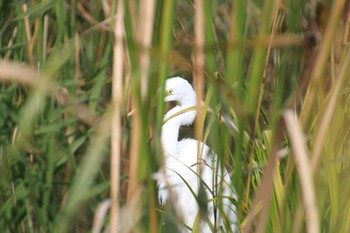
{"points": [[170, 129]]}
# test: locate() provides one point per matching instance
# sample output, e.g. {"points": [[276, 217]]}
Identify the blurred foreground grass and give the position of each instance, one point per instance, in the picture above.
{"points": [[275, 78]]}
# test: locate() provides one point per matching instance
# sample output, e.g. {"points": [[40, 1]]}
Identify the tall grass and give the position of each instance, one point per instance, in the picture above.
{"points": [[81, 108]]}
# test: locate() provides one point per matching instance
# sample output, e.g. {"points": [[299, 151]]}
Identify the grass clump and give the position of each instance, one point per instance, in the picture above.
{"points": [[273, 77]]}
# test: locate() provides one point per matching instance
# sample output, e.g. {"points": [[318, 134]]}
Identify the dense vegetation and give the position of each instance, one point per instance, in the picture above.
{"points": [[81, 107]]}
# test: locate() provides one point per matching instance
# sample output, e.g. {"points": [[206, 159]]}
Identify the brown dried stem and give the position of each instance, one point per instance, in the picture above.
{"points": [[116, 124]]}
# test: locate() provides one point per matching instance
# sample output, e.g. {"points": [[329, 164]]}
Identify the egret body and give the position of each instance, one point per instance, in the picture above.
{"points": [[180, 160]]}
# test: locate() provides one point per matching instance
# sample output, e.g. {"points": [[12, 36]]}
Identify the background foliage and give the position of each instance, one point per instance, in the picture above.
{"points": [[265, 61]]}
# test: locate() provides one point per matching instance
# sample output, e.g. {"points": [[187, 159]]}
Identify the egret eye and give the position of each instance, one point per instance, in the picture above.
{"points": [[168, 92]]}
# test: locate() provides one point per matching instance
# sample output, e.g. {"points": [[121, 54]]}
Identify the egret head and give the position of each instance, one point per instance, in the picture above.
{"points": [[179, 90]]}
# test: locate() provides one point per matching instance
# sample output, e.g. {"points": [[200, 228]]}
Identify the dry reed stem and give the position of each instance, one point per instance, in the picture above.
{"points": [[81, 111], [129, 216], [305, 172], [145, 36], [13, 37], [100, 215], [145, 27], [69, 131], [15, 73], [106, 6], [116, 124], [90, 19], [278, 41], [256, 122], [28, 33], [135, 131], [77, 74], [320, 63], [46, 34], [22, 74], [134, 154], [199, 63], [145, 33], [347, 26], [298, 216], [264, 193], [264, 212], [329, 111]]}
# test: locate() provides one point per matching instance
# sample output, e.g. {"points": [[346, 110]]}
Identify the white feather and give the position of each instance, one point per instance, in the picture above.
{"points": [[181, 163]]}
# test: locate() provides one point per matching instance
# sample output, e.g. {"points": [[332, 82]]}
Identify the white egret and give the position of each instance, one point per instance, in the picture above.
{"points": [[180, 160]]}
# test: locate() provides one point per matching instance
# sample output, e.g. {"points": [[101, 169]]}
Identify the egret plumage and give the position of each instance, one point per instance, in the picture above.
{"points": [[180, 176]]}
